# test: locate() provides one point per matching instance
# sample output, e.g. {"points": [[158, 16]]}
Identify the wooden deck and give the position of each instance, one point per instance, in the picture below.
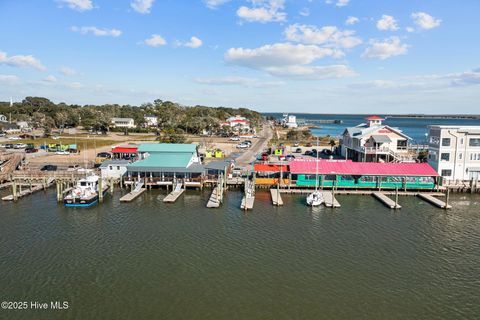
{"points": [[435, 201], [330, 200], [173, 196], [132, 195], [389, 203], [276, 197]]}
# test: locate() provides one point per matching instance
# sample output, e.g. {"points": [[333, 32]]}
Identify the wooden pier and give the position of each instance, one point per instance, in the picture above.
{"points": [[136, 192], [276, 197], [249, 197], [216, 198], [389, 203], [26, 192], [435, 201], [330, 200]]}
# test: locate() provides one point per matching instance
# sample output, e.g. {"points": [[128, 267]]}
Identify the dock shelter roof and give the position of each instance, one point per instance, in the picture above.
{"points": [[348, 167]]}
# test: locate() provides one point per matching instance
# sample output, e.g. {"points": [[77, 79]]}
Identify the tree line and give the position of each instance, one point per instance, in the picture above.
{"points": [[173, 118]]}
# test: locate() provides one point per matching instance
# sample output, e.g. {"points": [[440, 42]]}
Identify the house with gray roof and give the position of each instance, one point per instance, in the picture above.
{"points": [[375, 142]]}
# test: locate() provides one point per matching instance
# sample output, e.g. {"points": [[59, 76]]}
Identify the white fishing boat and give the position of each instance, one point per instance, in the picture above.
{"points": [[85, 194], [315, 198]]}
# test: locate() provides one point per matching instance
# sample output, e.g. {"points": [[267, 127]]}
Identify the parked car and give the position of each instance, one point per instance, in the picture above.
{"points": [[289, 157], [242, 146], [14, 138], [248, 142], [308, 153], [9, 146], [234, 139], [74, 167], [327, 152], [31, 150], [20, 146], [56, 137], [3, 134], [298, 150], [62, 152], [49, 167]]}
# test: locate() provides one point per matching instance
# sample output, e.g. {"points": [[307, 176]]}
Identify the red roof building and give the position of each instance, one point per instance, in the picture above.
{"points": [[125, 149], [347, 167]]}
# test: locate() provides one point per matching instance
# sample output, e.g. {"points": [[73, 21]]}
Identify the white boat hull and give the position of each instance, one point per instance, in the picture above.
{"points": [[315, 199]]}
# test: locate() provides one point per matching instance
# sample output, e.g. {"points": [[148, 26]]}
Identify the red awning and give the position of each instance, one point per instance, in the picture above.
{"points": [[347, 167], [125, 150], [260, 167]]}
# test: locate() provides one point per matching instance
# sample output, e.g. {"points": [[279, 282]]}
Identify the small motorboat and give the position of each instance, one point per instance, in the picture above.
{"points": [[85, 194], [315, 199]]}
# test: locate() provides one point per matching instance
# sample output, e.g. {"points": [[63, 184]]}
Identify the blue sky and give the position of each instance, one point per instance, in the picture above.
{"points": [[323, 56]]}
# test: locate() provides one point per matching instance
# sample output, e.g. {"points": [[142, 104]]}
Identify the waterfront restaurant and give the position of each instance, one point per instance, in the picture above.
{"points": [[269, 174], [126, 152], [369, 175], [162, 163]]}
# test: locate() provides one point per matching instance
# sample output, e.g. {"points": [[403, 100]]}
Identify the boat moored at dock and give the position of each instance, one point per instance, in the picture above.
{"points": [[86, 193]]}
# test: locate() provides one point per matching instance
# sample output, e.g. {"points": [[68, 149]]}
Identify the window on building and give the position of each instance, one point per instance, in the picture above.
{"points": [[462, 141], [474, 142], [446, 142], [110, 167], [446, 173], [445, 157], [460, 156], [118, 168]]}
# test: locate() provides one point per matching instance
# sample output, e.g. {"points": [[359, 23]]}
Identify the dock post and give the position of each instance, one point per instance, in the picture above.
{"points": [[57, 183], [396, 198], [111, 185], [100, 190], [14, 190], [448, 199]]}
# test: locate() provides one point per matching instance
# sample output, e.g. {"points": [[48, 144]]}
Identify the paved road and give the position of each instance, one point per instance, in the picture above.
{"points": [[247, 157]]}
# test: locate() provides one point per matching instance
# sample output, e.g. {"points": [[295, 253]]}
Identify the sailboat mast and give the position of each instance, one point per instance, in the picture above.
{"points": [[316, 170]]}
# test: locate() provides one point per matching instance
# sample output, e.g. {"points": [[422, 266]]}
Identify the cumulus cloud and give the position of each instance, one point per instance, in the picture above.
{"points": [[214, 4], [67, 71], [263, 11], [338, 3], [50, 79], [329, 36], [7, 79], [193, 43], [155, 40], [142, 6], [305, 12], [21, 61], [424, 21], [385, 49], [351, 21], [288, 60], [79, 5], [387, 23], [97, 31]]}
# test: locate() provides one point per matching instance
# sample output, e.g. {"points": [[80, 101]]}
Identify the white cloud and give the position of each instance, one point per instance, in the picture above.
{"points": [[387, 23], [385, 49], [79, 5], [425, 21], [263, 11], [50, 79], [21, 61], [193, 43], [410, 29], [328, 35], [142, 6], [338, 3], [8, 79], [305, 12], [67, 71], [288, 60], [213, 4], [351, 21], [97, 32], [155, 40]]}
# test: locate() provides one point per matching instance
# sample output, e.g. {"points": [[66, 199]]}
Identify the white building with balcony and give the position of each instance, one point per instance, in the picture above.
{"points": [[123, 123], [289, 121], [238, 123], [454, 151], [375, 142], [150, 120]]}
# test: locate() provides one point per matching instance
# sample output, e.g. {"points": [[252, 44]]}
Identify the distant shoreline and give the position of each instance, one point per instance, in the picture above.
{"points": [[395, 116]]}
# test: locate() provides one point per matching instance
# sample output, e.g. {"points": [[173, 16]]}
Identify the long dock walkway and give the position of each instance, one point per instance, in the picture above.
{"points": [[330, 200], [276, 197], [389, 203], [249, 197], [435, 201], [173, 196]]}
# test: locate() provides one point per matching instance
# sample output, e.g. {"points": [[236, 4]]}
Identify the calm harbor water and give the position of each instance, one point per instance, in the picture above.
{"points": [[415, 128], [150, 260]]}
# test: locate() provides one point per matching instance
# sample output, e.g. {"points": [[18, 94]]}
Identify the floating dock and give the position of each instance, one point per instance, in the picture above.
{"points": [[330, 200], [389, 203], [276, 197], [216, 198], [247, 203], [173, 196], [139, 190], [435, 201], [249, 197]]}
